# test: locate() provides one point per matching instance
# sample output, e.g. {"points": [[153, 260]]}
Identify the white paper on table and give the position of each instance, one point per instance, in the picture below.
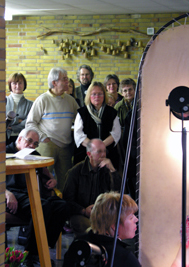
{"points": [[25, 154]]}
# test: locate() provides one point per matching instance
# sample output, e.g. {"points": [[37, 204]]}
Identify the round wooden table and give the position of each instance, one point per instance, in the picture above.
{"points": [[16, 166]]}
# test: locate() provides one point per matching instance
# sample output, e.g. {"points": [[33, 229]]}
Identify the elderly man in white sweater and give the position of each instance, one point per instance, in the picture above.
{"points": [[52, 115]]}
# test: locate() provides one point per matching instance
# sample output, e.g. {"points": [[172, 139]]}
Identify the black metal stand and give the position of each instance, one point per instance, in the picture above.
{"points": [[128, 150], [184, 185]]}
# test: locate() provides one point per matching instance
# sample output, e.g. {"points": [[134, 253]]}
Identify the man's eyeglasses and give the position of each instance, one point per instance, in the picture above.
{"points": [[30, 141], [64, 79]]}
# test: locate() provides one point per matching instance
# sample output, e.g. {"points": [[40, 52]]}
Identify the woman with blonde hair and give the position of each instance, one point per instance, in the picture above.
{"points": [[97, 120], [103, 223], [111, 100]]}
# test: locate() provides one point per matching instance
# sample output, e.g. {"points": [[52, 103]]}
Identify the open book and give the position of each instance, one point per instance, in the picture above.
{"points": [[25, 154]]}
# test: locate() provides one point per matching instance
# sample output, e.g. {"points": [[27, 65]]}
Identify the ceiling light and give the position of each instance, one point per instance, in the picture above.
{"points": [[8, 14]]}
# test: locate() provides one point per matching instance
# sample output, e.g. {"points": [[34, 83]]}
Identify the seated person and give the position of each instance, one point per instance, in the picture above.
{"points": [[103, 223], [127, 87], [55, 210], [88, 179]]}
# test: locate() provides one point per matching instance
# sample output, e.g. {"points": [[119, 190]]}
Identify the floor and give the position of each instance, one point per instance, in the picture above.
{"points": [[12, 241]]}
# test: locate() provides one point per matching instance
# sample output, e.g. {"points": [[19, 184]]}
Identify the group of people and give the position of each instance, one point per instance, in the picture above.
{"points": [[47, 127]]}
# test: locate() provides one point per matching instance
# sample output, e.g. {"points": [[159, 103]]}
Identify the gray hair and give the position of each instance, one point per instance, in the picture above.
{"points": [[25, 132], [54, 75], [87, 67], [89, 146], [128, 81]]}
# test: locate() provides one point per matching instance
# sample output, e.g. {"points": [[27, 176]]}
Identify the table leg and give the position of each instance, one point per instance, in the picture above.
{"points": [[38, 219]]}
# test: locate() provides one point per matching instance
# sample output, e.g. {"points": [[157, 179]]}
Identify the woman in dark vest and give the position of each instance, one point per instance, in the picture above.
{"points": [[97, 120]]}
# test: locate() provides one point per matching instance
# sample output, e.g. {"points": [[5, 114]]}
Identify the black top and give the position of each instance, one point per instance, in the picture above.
{"points": [[83, 185], [89, 125], [123, 256]]}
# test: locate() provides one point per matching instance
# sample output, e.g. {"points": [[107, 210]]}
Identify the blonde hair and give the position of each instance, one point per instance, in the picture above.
{"points": [[105, 210], [89, 90]]}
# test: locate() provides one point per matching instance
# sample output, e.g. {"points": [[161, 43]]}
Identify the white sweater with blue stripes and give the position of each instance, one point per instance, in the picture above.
{"points": [[52, 117]]}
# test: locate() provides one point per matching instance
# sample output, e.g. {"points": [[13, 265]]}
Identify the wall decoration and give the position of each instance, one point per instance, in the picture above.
{"points": [[92, 48]]}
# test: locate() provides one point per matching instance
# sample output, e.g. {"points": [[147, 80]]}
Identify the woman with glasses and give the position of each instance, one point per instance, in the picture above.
{"points": [[97, 120], [111, 84], [19, 104]]}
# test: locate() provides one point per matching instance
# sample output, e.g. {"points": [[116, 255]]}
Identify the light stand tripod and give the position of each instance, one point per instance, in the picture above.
{"points": [[179, 105]]}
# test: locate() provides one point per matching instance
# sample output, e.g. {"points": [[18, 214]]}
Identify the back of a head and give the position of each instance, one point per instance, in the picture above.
{"points": [[105, 210]]}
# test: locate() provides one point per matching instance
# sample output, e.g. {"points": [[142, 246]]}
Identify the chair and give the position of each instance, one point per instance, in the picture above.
{"points": [[14, 221]]}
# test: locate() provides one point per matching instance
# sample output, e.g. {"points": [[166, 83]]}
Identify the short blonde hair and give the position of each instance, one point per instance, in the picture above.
{"points": [[89, 90], [111, 96], [105, 210]]}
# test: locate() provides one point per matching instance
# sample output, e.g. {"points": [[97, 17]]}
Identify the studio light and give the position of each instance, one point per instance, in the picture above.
{"points": [[88, 254], [178, 101]]}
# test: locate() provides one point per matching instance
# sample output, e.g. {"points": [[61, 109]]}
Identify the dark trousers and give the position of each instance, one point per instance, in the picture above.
{"points": [[55, 211]]}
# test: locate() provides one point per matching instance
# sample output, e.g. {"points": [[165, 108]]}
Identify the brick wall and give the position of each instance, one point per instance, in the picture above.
{"points": [[24, 53], [2, 132]]}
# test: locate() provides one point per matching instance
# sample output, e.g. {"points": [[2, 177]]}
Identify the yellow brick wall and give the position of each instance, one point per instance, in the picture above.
{"points": [[24, 53]]}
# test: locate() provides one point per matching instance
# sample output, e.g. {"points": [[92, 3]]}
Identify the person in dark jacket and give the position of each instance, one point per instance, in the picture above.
{"points": [[84, 75], [88, 179], [127, 87], [103, 223], [55, 210], [97, 120]]}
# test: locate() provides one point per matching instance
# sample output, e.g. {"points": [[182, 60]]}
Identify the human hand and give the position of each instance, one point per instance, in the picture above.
{"points": [[88, 210], [51, 183], [12, 202], [107, 162], [46, 140]]}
